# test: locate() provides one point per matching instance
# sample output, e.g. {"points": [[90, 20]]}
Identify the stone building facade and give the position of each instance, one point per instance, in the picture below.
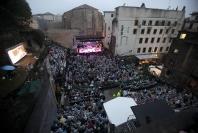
{"points": [[144, 31], [48, 21], [88, 20], [191, 23]]}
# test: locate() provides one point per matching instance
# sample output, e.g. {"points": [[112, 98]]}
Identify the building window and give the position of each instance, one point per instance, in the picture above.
{"points": [[150, 49], [148, 31], [167, 48], [156, 23], [164, 40], [134, 31], [190, 26], [158, 40], [176, 51], [138, 50], [140, 41], [163, 23], [142, 31], [155, 50], [167, 30], [175, 23], [122, 28], [109, 28], [144, 50], [182, 36], [161, 30], [170, 40], [152, 40], [173, 30], [144, 22], [161, 48], [154, 31], [136, 22], [112, 15], [169, 23], [150, 22], [146, 40]]}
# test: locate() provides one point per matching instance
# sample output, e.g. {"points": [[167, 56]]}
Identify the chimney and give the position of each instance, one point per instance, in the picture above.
{"points": [[184, 8], [143, 5], [177, 8]]}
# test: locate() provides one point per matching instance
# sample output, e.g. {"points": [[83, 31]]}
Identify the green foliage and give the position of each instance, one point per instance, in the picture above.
{"points": [[38, 36], [15, 15]]}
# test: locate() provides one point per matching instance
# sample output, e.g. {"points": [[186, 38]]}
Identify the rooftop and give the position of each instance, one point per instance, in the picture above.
{"points": [[108, 11], [84, 6], [194, 13], [143, 6], [41, 14]]}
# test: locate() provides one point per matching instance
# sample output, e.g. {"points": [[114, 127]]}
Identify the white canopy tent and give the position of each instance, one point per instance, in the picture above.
{"points": [[156, 70], [147, 56], [119, 109]]}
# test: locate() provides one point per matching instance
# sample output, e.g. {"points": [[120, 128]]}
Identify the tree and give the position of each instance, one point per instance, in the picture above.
{"points": [[15, 18], [38, 36], [15, 15]]}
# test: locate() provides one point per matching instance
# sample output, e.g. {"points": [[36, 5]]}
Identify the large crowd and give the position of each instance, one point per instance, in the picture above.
{"points": [[82, 112], [79, 79], [175, 98]]}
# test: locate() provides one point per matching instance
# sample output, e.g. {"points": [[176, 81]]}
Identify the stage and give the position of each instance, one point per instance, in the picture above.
{"points": [[88, 44], [88, 47]]}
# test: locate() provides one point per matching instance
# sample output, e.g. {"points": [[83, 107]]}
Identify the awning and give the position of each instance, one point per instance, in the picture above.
{"points": [[147, 56], [119, 110]]}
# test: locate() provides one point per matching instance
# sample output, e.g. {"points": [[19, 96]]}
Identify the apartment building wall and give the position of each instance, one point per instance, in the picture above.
{"points": [[108, 18], [140, 30]]}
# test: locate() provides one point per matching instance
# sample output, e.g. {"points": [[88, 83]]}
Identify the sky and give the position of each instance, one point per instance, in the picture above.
{"points": [[61, 6]]}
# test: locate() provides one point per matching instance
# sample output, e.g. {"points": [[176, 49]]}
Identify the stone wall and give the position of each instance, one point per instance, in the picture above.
{"points": [[45, 108], [62, 36], [32, 106]]}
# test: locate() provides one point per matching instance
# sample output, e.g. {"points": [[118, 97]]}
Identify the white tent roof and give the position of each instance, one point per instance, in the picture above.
{"points": [[119, 109], [147, 56], [151, 66], [160, 67]]}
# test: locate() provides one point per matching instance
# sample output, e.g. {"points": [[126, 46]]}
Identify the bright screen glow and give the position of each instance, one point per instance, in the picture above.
{"points": [[183, 36], [17, 53], [90, 50]]}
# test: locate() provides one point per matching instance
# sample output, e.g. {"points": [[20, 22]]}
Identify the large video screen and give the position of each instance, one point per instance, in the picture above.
{"points": [[17, 53]]}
